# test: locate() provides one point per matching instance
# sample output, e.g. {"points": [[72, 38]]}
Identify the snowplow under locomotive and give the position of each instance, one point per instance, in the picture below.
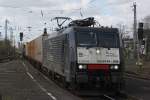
{"points": [[80, 54]]}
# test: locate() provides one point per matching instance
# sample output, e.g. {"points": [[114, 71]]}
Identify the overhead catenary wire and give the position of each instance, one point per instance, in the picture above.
{"points": [[45, 12]]}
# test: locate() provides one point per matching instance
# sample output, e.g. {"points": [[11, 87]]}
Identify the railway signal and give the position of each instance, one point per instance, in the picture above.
{"points": [[140, 47], [140, 31], [21, 36]]}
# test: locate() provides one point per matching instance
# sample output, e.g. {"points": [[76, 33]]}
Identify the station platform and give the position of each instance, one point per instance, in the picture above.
{"points": [[20, 81]]}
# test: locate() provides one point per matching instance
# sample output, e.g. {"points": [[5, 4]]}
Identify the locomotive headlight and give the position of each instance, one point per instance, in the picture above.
{"points": [[82, 66], [116, 67], [97, 51]]}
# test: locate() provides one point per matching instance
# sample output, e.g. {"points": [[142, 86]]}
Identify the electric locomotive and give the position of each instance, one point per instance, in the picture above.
{"points": [[83, 54]]}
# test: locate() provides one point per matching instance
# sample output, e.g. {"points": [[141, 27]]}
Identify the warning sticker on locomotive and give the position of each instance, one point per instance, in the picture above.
{"points": [[98, 55]]}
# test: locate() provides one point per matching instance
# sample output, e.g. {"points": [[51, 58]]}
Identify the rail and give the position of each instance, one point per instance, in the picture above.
{"points": [[108, 97]]}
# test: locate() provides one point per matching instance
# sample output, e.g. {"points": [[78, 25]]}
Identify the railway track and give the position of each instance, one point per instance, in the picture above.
{"points": [[106, 97], [138, 76], [119, 96], [102, 97], [98, 94]]}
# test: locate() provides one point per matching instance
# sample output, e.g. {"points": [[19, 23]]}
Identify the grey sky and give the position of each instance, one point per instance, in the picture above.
{"points": [[24, 13]]}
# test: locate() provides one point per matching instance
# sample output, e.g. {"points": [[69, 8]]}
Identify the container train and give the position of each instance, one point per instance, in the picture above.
{"points": [[79, 54]]}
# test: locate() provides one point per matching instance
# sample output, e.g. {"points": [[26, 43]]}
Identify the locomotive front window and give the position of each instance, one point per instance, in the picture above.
{"points": [[108, 40], [86, 38]]}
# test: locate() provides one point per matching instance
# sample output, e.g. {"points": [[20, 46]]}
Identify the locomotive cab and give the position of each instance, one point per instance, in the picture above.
{"points": [[95, 56]]}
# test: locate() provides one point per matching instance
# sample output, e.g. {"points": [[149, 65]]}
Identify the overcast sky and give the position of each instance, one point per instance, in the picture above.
{"points": [[24, 13]]}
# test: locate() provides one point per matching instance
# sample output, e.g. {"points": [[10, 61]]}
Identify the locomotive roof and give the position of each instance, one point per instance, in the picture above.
{"points": [[83, 29], [100, 29]]}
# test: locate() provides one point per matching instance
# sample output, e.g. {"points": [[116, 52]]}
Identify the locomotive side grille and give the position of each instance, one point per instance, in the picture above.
{"points": [[56, 50], [54, 55]]}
